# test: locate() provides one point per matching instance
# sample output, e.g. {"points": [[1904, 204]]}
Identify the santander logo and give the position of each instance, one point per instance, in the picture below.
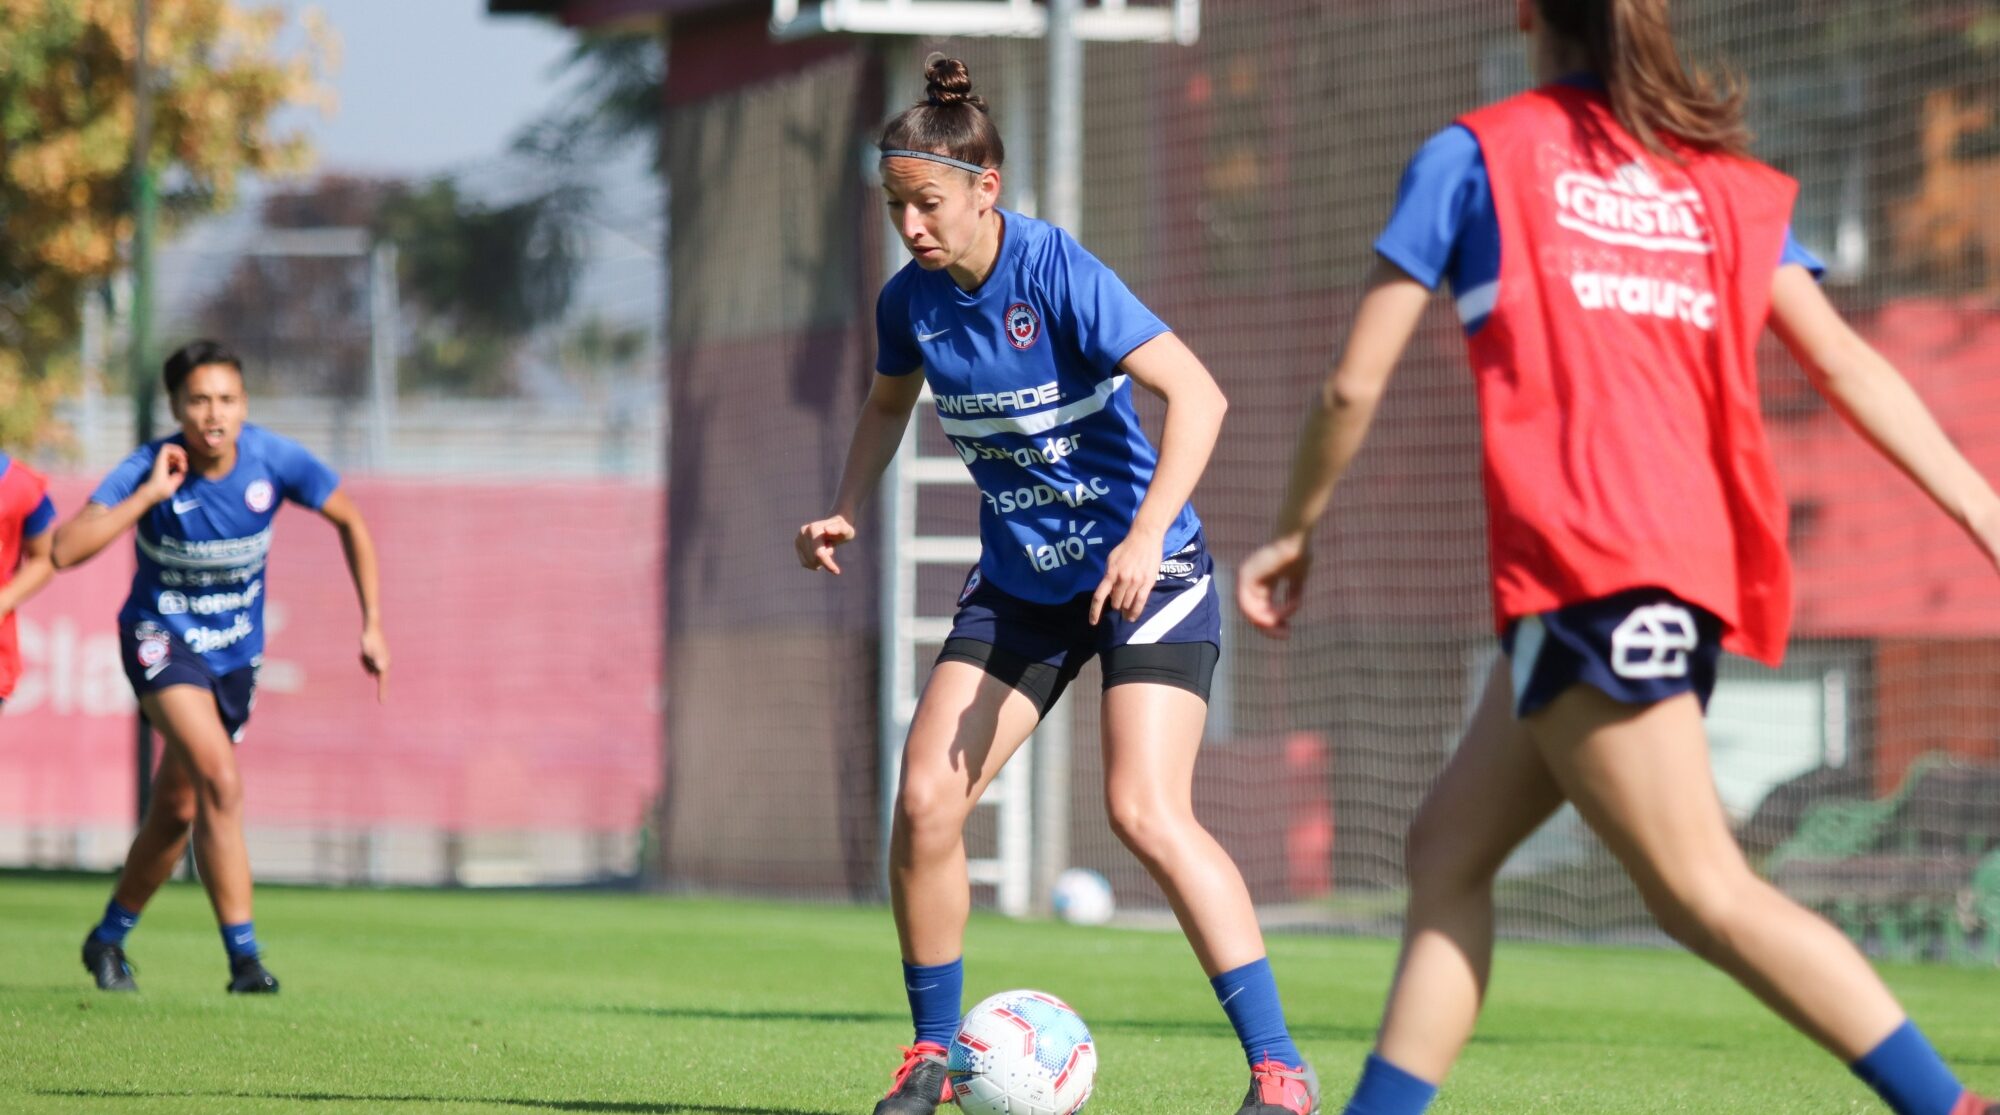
{"points": [[1631, 209]]}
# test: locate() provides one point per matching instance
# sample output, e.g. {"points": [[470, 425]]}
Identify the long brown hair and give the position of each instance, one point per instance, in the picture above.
{"points": [[1653, 90], [950, 120]]}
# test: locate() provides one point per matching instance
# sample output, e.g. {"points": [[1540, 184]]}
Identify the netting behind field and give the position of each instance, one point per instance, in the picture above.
{"points": [[1237, 186]]}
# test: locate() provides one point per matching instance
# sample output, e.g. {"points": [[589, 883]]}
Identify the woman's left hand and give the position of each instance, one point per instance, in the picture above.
{"points": [[1129, 574]]}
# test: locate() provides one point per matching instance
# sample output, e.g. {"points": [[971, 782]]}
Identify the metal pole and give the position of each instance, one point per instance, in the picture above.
{"points": [[1062, 204], [145, 209], [1017, 129], [1064, 196], [895, 659], [382, 329]]}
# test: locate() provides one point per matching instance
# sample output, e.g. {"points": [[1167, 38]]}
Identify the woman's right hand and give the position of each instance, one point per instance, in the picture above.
{"points": [[817, 540], [1271, 584], [170, 468]]}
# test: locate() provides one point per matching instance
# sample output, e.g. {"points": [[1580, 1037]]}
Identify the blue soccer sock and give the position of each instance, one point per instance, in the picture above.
{"points": [[1908, 1074], [1249, 996], [240, 940], [1388, 1090], [118, 921], [936, 992]]}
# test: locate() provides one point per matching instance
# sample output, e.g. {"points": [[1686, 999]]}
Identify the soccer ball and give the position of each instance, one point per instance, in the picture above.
{"points": [[1022, 1053], [1083, 897]]}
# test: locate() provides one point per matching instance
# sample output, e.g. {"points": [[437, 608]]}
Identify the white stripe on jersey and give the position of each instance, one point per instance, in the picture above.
{"points": [[221, 553], [1169, 617], [1036, 423], [1478, 302]]}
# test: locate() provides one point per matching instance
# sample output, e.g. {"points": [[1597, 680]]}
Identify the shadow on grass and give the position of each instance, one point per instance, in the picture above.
{"points": [[615, 1107], [1217, 1028]]}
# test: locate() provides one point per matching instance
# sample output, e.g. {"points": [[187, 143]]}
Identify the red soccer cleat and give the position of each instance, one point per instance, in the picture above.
{"points": [[1278, 1089], [920, 1084]]}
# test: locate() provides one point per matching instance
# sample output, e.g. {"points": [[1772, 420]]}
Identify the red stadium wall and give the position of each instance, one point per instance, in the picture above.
{"points": [[525, 624]]}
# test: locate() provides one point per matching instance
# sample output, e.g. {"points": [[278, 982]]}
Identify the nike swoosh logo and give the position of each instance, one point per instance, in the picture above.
{"points": [[925, 987], [1232, 995], [932, 336], [183, 508]]}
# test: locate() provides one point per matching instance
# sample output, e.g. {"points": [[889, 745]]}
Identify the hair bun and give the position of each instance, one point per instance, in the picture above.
{"points": [[947, 82]]}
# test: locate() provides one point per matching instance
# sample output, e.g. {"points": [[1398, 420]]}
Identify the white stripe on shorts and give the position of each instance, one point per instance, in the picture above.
{"points": [[1529, 635], [1170, 617]]}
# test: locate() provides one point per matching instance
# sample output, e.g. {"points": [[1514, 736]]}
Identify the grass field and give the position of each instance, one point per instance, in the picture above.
{"points": [[462, 1002]]}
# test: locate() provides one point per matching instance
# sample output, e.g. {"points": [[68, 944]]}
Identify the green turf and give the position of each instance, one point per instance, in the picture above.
{"points": [[460, 1002]]}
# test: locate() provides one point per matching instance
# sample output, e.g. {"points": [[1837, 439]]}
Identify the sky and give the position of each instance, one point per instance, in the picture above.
{"points": [[424, 85], [432, 87]]}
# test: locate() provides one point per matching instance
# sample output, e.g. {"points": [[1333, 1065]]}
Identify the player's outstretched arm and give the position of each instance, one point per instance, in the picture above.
{"points": [[93, 528], [877, 435], [34, 571], [359, 546], [1878, 402], [1195, 406], [1271, 582]]}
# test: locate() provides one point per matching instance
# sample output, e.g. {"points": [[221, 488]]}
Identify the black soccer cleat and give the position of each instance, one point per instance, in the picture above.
{"points": [[1279, 1089], [248, 977], [920, 1084], [106, 964]]}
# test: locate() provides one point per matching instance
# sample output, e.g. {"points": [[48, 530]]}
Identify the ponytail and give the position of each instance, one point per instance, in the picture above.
{"points": [[1654, 93]]}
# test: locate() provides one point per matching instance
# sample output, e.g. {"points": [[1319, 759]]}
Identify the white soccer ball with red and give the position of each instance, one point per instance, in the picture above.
{"points": [[1022, 1053]]}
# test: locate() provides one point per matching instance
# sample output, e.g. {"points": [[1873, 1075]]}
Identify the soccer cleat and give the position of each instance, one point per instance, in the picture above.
{"points": [[248, 977], [1277, 1089], [920, 1084], [1970, 1104], [107, 964]]}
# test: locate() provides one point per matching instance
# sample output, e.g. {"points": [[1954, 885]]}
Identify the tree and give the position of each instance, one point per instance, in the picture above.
{"points": [[614, 98], [475, 279], [482, 278], [66, 125]]}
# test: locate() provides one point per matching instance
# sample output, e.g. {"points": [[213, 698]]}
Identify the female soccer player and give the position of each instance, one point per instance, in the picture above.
{"points": [[1090, 548], [1614, 254], [26, 514], [192, 633]]}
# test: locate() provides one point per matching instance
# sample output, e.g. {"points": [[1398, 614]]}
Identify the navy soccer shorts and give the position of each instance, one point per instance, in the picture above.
{"points": [[155, 658], [1040, 648], [1639, 647]]}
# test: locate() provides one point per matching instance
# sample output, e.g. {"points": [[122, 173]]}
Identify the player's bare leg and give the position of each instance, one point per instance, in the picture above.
{"points": [[187, 719], [1493, 794], [156, 851], [162, 838], [967, 725], [1152, 733], [1641, 778]]}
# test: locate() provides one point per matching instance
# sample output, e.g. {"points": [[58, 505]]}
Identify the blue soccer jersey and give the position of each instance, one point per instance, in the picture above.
{"points": [[202, 551], [1445, 228], [1024, 374]]}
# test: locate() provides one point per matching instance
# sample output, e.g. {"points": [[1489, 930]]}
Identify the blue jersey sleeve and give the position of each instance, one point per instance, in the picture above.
{"points": [[896, 352], [126, 478], [305, 480], [40, 519], [1443, 187], [1796, 252], [1094, 308]]}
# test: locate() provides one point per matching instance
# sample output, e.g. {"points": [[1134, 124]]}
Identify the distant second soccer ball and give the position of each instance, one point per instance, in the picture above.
{"points": [[1022, 1053], [1083, 897]]}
